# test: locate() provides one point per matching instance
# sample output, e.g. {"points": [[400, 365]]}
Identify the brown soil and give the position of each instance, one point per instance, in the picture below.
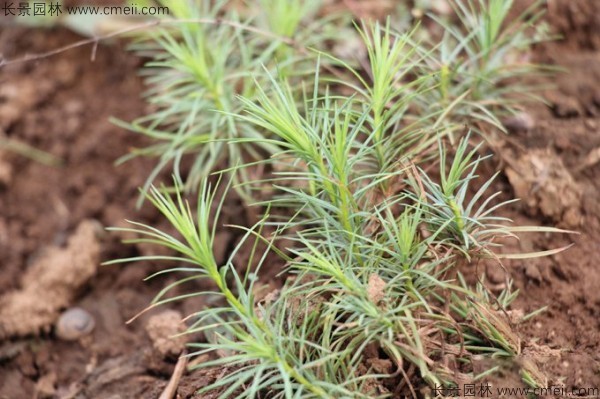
{"points": [[62, 105]]}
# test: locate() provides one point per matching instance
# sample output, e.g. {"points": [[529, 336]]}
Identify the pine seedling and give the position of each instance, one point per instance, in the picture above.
{"points": [[471, 227], [389, 92], [346, 260], [352, 289], [284, 17], [193, 84], [367, 271], [262, 349], [479, 60]]}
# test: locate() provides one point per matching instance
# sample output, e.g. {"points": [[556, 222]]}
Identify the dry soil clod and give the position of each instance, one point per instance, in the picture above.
{"points": [[50, 284], [541, 180], [375, 288], [163, 330]]}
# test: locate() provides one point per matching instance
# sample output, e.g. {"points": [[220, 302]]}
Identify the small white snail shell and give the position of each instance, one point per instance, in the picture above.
{"points": [[74, 323]]}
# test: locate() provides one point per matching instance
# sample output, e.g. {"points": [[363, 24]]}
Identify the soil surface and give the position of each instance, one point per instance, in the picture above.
{"points": [[51, 217]]}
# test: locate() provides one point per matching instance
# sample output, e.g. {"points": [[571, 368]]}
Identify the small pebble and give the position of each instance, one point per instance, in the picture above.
{"points": [[538, 325], [519, 122], [591, 124], [74, 323]]}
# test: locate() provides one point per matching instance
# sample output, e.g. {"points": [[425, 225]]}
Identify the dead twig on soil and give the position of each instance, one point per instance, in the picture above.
{"points": [[171, 388]]}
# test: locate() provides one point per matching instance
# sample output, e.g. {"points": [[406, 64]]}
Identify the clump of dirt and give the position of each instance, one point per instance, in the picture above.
{"points": [[541, 180], [21, 95], [375, 288], [164, 330], [50, 284]]}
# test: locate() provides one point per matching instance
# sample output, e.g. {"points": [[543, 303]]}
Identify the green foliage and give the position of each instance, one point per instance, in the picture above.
{"points": [[284, 17], [478, 62], [374, 242], [195, 86], [194, 83]]}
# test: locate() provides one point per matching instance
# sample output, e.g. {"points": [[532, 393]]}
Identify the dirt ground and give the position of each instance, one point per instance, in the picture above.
{"points": [[53, 216]]}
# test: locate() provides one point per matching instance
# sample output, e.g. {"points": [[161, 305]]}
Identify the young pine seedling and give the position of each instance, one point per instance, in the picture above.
{"points": [[373, 242]]}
